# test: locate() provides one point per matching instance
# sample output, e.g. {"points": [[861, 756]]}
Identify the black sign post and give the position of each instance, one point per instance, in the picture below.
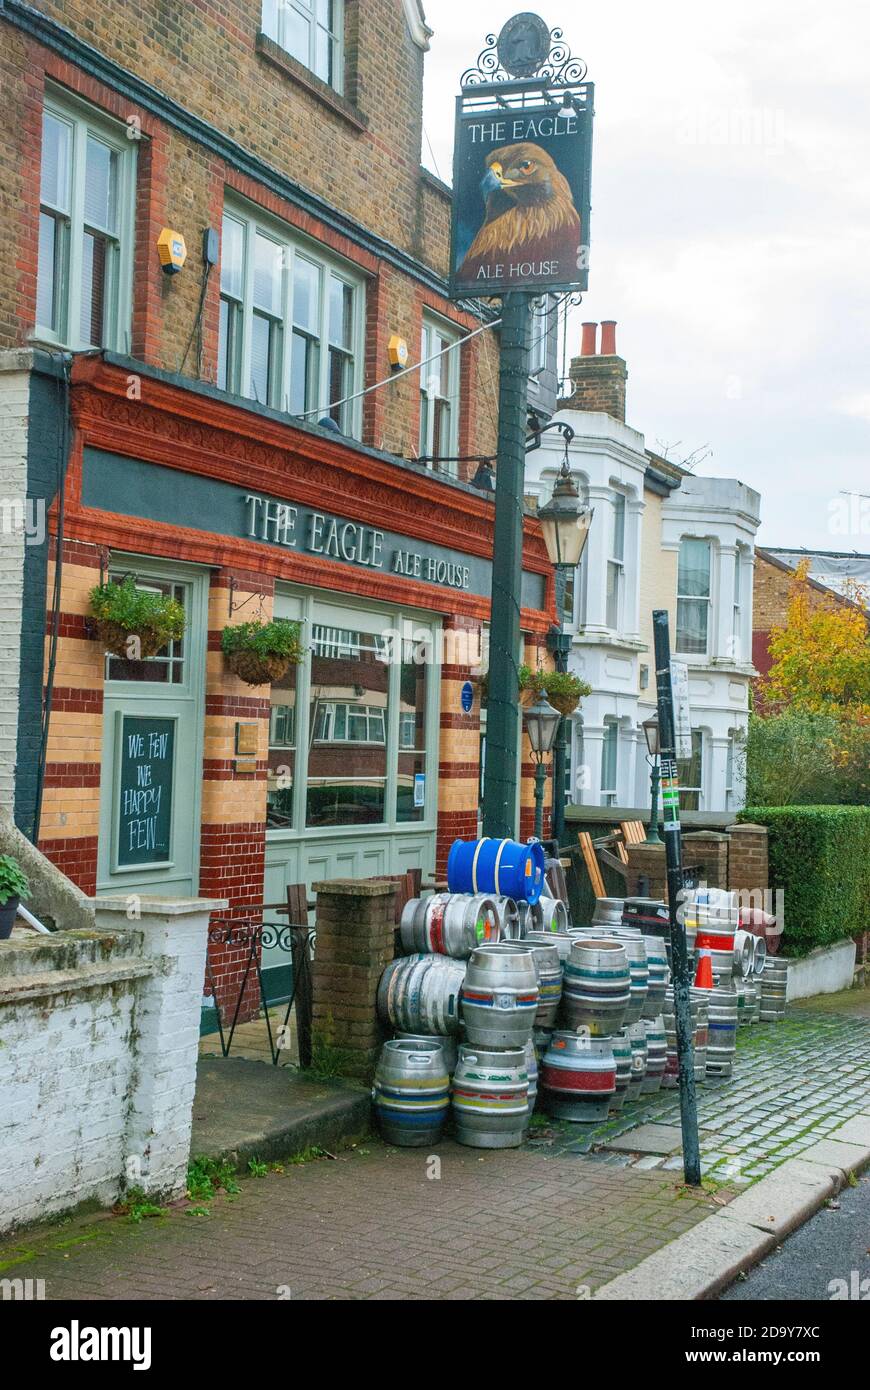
{"points": [[674, 860], [521, 199]]}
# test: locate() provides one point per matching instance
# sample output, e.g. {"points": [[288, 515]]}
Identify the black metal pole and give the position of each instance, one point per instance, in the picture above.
{"points": [[653, 837], [540, 785], [500, 776], [674, 860]]}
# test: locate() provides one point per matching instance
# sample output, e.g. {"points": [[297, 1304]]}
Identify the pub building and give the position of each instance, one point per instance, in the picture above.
{"points": [[217, 441]]}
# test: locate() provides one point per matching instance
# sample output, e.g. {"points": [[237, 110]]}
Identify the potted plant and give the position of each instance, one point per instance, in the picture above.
{"points": [[13, 887], [261, 652], [564, 691], [124, 614]]}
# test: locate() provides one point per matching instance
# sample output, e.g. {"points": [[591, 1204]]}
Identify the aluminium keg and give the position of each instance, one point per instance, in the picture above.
{"points": [[635, 949], [500, 996], [553, 915], [532, 1071], [656, 1054], [548, 968], [608, 912], [700, 1008], [449, 1046], [744, 953], [449, 924], [721, 1031], [622, 1056], [759, 956], [490, 1097], [508, 915], [561, 940], [637, 1040], [774, 982], [578, 1078], [411, 1093], [596, 988], [659, 975], [420, 994]]}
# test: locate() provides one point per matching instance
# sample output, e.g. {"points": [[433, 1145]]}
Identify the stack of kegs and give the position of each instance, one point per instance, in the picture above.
{"points": [[500, 999], [773, 981], [579, 1067]]}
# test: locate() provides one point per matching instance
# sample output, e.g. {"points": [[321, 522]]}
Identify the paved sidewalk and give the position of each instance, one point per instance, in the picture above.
{"points": [[549, 1221]]}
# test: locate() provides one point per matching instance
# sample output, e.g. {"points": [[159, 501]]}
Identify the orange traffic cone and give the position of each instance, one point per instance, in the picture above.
{"points": [[704, 973]]}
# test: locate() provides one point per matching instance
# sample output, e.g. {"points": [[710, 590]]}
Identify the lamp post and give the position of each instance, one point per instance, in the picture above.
{"points": [[565, 522], [542, 724], [653, 742]]}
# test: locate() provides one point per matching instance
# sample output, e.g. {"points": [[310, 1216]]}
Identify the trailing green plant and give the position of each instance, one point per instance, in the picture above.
{"points": [[259, 652], [558, 686], [13, 882], [820, 857], [123, 611]]}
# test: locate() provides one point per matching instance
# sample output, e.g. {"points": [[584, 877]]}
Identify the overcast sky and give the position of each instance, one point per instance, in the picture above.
{"points": [[730, 232]]}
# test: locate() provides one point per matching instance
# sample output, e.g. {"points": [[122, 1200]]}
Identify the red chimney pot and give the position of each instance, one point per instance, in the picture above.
{"points": [[608, 337], [587, 347]]}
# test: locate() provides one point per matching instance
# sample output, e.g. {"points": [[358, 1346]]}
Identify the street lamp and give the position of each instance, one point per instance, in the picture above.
{"points": [[565, 522], [542, 725], [653, 742]]}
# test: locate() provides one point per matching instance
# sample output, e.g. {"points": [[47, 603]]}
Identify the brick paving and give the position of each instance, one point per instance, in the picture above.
{"points": [[551, 1221]]}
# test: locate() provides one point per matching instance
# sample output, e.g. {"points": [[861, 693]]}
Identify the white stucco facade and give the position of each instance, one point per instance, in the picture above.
{"points": [[636, 557]]}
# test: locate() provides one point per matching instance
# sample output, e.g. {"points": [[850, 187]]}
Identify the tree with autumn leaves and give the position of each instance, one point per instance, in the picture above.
{"points": [[811, 743]]}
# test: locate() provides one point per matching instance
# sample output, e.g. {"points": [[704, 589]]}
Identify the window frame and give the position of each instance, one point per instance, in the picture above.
{"points": [[615, 564], [696, 790], [695, 598], [450, 337], [308, 11], [291, 244], [609, 796], [88, 121]]}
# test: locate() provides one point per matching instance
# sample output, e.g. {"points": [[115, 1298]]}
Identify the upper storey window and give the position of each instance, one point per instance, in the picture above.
{"points": [[311, 32], [693, 597], [86, 207]]}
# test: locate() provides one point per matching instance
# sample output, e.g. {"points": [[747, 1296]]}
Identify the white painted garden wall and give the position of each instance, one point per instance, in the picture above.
{"points": [[98, 1048]]}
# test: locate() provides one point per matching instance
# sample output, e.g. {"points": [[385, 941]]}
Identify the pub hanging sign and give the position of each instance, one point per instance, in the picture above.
{"points": [[521, 175]]}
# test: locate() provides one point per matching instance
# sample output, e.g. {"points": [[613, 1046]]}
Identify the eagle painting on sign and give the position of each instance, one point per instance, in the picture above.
{"points": [[521, 201]]}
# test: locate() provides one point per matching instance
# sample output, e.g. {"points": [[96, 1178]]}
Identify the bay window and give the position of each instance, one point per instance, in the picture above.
{"points": [[290, 322], [609, 762], [616, 563], [693, 597], [86, 213]]}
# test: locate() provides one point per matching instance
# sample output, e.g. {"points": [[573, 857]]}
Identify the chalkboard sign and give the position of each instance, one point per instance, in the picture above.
{"points": [[145, 811]]}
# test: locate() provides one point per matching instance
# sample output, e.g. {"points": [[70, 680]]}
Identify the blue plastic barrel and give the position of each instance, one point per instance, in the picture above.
{"points": [[502, 867]]}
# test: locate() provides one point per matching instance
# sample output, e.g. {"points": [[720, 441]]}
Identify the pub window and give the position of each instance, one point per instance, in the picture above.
{"points": [[290, 322], [282, 749], [410, 788], [693, 596], [86, 210], [439, 395], [311, 31], [349, 712]]}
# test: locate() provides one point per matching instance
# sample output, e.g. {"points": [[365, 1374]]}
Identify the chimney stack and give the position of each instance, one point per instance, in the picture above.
{"points": [[598, 379]]}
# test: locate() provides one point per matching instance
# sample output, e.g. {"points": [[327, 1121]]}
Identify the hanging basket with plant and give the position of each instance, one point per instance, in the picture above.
{"points": [[13, 887], [259, 653], [564, 691], [125, 615]]}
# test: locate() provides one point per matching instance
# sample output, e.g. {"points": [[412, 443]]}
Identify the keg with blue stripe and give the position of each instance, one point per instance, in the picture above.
{"points": [[596, 988], [500, 996], [491, 1097], [622, 1056], [532, 1070], [635, 949], [411, 1093], [548, 968], [420, 994], [578, 1078], [721, 1031], [659, 976]]}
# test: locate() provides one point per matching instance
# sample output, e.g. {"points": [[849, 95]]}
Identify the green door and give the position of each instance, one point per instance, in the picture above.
{"points": [[152, 750]]}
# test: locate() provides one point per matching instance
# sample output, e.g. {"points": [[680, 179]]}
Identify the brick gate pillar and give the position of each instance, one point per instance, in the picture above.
{"points": [[355, 922]]}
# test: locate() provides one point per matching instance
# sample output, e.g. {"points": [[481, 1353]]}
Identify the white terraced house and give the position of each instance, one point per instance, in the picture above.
{"points": [[661, 537]]}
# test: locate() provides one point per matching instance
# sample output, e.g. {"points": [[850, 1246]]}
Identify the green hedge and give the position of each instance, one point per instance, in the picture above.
{"points": [[820, 857]]}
